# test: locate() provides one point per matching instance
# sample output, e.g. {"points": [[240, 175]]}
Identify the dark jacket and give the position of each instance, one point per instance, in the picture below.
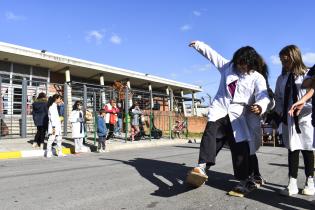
{"points": [[40, 113]]}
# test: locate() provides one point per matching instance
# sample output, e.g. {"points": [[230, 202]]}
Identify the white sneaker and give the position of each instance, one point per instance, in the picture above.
{"points": [[60, 154], [34, 145], [309, 188], [200, 170], [48, 154], [291, 189]]}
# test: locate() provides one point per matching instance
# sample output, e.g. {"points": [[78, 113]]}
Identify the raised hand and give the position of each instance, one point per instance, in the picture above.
{"points": [[192, 44]]}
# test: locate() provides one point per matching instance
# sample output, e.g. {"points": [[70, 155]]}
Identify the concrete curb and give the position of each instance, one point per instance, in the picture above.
{"points": [[109, 147], [29, 153]]}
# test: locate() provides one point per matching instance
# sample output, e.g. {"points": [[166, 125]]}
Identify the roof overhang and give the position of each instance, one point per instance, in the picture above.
{"points": [[88, 69]]}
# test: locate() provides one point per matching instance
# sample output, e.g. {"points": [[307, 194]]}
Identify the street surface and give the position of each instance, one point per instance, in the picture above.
{"points": [[149, 178]]}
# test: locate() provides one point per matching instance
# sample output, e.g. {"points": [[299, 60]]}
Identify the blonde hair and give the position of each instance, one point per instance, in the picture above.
{"points": [[294, 53]]}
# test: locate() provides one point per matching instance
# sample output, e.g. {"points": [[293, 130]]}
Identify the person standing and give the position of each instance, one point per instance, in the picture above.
{"points": [[40, 118], [297, 131], [240, 82], [135, 114], [111, 117], [101, 131], [77, 121], [119, 123], [54, 126]]}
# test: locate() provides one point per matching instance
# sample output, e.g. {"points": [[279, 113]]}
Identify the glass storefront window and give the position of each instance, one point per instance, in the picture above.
{"points": [[21, 69]]}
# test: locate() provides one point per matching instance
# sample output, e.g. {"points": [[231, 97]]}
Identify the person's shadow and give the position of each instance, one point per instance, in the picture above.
{"points": [[268, 194], [168, 177], [170, 180]]}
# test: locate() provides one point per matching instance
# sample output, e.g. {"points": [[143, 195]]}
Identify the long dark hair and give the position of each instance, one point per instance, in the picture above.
{"points": [[75, 105], [249, 56], [52, 99], [41, 95]]}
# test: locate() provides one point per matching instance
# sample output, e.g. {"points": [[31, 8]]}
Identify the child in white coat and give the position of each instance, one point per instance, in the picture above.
{"points": [[54, 126], [240, 82], [297, 131], [78, 127]]}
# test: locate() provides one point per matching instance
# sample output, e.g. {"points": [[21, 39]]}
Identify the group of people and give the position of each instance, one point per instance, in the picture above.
{"points": [[48, 115], [243, 97]]}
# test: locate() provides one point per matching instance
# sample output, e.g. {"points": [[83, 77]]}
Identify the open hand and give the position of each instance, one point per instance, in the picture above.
{"points": [[192, 44], [256, 109], [296, 108]]}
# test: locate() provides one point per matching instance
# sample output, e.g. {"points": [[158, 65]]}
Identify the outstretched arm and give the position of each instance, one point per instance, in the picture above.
{"points": [[218, 60]]}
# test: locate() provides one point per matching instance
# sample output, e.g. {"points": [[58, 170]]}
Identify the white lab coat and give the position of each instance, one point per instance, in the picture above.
{"points": [[54, 120], [77, 122], [254, 124], [293, 140], [248, 86]]}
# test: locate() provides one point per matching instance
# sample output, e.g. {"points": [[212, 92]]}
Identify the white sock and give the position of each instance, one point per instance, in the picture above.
{"points": [[202, 165]]}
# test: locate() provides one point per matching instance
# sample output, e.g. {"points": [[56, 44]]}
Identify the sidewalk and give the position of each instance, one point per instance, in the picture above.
{"points": [[22, 147]]}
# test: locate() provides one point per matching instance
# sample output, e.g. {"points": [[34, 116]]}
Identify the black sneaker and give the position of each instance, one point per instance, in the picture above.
{"points": [[251, 185], [258, 180]]}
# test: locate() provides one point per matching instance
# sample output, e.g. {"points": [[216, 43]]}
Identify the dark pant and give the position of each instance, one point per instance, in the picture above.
{"points": [[253, 165], [101, 142], [210, 146], [110, 128], [293, 158], [40, 135]]}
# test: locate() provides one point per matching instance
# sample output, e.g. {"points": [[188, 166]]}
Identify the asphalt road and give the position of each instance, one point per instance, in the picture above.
{"points": [[150, 178]]}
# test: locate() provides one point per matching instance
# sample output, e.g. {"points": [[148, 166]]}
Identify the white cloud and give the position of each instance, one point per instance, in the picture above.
{"points": [[94, 35], [13, 17], [309, 58], [173, 75], [185, 27], [197, 13], [115, 39], [275, 60]]}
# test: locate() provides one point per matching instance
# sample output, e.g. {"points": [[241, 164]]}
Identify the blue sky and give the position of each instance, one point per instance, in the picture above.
{"points": [[151, 36]]}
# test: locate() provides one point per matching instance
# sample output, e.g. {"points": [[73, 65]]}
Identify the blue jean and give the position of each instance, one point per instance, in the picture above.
{"points": [[101, 142], [118, 126]]}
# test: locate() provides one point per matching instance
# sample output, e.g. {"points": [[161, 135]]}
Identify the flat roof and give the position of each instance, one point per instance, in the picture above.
{"points": [[88, 69]]}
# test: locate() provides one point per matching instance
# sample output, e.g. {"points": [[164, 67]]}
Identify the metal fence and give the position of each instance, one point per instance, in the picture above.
{"points": [[18, 94]]}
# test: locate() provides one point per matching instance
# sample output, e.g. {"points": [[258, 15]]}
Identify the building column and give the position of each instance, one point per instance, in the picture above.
{"points": [[168, 98], [151, 96], [102, 83], [193, 104], [130, 99], [183, 102], [69, 92]]}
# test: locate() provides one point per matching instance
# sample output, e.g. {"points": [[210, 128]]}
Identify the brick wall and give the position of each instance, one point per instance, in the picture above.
{"points": [[197, 124]]}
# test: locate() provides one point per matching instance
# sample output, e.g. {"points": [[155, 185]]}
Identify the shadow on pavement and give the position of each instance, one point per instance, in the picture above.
{"points": [[156, 171], [268, 194], [189, 147], [160, 173], [283, 165]]}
